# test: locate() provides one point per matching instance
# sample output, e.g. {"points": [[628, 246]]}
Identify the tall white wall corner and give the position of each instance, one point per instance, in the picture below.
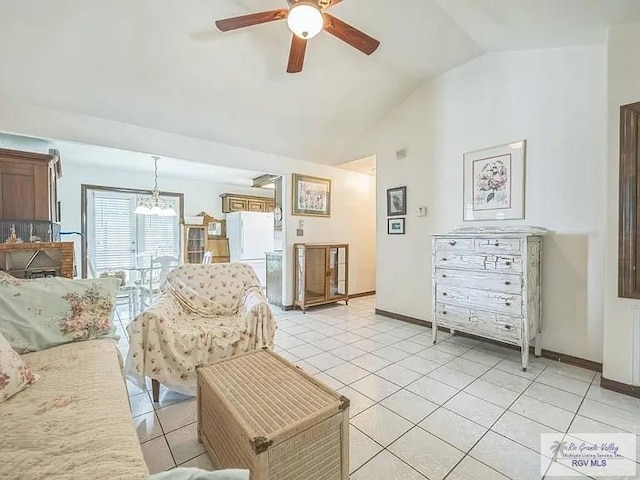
{"points": [[635, 339]]}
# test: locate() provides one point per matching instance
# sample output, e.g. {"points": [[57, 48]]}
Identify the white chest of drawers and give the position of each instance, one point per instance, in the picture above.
{"points": [[489, 285]]}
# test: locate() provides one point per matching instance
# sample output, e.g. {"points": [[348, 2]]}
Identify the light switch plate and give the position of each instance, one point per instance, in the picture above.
{"points": [[299, 232], [422, 211]]}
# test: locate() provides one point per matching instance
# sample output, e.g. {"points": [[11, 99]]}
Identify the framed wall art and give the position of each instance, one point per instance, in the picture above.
{"points": [[396, 201], [494, 183], [311, 196], [395, 226]]}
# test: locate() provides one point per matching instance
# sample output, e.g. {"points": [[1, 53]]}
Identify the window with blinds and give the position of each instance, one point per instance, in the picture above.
{"points": [[117, 238], [159, 236]]}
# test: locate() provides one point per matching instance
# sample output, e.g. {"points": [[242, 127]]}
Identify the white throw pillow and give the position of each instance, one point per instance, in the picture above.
{"points": [[15, 375]]}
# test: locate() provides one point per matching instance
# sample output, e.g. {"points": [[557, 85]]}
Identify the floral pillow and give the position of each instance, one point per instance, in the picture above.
{"points": [[42, 313], [15, 375]]}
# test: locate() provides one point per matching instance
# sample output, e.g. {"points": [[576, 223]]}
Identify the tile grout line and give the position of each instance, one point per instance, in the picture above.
{"points": [[504, 357], [460, 355], [571, 423], [489, 429], [449, 340], [386, 449], [465, 454]]}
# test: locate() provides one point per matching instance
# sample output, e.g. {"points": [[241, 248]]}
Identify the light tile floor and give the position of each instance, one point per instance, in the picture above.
{"points": [[461, 409]]}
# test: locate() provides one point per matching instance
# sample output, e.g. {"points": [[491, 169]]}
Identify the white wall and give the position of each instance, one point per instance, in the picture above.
{"points": [[624, 88], [353, 216], [556, 99], [353, 219], [198, 195]]}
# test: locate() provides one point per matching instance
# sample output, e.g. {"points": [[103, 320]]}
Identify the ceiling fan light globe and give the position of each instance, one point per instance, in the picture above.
{"points": [[305, 20]]}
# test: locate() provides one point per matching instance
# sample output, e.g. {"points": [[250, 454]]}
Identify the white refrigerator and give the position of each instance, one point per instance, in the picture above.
{"points": [[250, 238]]}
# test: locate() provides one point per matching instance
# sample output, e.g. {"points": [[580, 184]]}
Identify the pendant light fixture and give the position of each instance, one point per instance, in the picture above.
{"points": [[154, 205]]}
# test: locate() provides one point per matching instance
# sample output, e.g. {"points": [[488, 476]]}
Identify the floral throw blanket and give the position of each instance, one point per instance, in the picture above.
{"points": [[43, 313], [207, 313]]}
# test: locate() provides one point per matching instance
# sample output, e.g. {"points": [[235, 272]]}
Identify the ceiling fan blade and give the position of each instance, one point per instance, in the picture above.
{"points": [[350, 35], [296, 54], [252, 19]]}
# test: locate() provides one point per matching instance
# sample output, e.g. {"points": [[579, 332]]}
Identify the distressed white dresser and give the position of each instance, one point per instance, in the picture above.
{"points": [[487, 282]]}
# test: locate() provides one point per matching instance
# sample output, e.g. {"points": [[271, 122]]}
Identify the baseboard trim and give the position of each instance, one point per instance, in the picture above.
{"points": [[619, 387], [560, 357], [286, 308], [362, 294], [405, 318], [571, 360]]}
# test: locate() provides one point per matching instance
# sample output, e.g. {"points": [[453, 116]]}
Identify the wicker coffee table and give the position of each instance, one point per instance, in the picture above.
{"points": [[258, 411]]}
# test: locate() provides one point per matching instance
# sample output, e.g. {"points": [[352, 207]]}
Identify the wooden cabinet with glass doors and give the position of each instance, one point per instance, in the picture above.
{"points": [[208, 236], [321, 274], [194, 243]]}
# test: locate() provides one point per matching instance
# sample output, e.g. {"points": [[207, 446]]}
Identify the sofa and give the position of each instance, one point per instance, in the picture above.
{"points": [[74, 421]]}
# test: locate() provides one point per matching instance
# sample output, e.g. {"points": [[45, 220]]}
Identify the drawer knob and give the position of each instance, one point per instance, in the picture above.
{"points": [[507, 283], [507, 264], [496, 244], [507, 304], [453, 243], [508, 327], [444, 294], [444, 275], [444, 259], [444, 312]]}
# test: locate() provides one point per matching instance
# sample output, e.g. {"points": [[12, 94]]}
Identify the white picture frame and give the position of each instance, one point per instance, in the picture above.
{"points": [[494, 183]]}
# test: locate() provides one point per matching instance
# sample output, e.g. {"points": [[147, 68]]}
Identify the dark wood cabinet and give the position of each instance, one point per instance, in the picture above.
{"points": [[28, 186], [629, 192]]}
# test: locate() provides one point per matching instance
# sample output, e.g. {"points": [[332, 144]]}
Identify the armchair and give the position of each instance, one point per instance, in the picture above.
{"points": [[206, 313]]}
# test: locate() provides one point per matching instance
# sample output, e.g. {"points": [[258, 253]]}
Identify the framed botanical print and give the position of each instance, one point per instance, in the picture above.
{"points": [[311, 196], [397, 201], [494, 183], [395, 226]]}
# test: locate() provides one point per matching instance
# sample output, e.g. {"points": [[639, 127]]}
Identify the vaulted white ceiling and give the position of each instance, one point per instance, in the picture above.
{"points": [[161, 63]]}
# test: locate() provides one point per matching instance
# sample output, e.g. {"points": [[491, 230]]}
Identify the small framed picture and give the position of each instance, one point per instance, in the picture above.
{"points": [[397, 201], [395, 226]]}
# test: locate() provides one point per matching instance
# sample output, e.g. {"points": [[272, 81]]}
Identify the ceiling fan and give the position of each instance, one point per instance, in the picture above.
{"points": [[306, 19]]}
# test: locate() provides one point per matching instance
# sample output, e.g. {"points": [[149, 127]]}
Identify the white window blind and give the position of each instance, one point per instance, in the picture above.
{"points": [[112, 238], [120, 239], [159, 235]]}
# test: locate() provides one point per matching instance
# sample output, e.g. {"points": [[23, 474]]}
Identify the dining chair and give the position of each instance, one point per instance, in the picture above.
{"points": [[127, 292], [154, 277]]}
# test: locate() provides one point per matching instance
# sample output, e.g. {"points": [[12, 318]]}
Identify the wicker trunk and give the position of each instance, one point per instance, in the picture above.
{"points": [[260, 412]]}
